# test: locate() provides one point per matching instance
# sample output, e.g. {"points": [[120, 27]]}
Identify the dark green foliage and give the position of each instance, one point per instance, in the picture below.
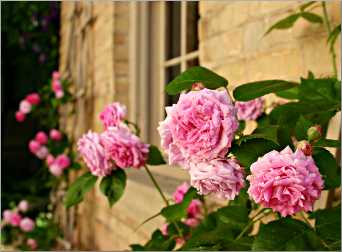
{"points": [[154, 156], [113, 186]]}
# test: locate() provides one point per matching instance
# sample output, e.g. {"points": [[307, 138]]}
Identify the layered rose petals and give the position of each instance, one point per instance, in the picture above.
{"points": [[249, 110], [113, 114]]}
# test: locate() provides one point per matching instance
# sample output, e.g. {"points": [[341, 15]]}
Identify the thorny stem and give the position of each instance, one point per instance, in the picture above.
{"points": [[328, 28]]}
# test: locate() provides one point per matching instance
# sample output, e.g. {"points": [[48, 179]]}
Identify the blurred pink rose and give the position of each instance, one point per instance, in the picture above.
{"points": [[113, 114], [194, 209], [192, 222], [23, 206], [164, 229], [93, 154], [20, 116], [50, 159], [25, 107], [34, 146], [62, 161], [27, 224], [56, 170], [41, 138], [180, 191], [285, 181], [201, 126], [56, 75], [33, 99], [124, 148], [32, 244], [56, 135], [59, 94], [42, 153], [56, 86], [222, 177], [15, 219], [7, 214], [250, 110]]}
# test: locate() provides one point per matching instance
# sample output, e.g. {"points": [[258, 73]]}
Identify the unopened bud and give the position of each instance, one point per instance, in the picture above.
{"points": [[305, 147], [314, 133], [197, 86]]}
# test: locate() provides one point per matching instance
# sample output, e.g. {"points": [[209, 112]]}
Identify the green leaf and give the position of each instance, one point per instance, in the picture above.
{"points": [[333, 35], [268, 133], [249, 151], [302, 127], [306, 5], [137, 247], [291, 94], [154, 156], [327, 143], [77, 190], [192, 75], [285, 23], [312, 17], [256, 89], [283, 234], [178, 211], [328, 226], [113, 186], [328, 168], [159, 242]]}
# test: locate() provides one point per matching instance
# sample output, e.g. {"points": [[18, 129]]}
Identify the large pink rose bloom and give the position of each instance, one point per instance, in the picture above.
{"points": [[113, 114], [222, 177], [285, 181], [250, 110], [200, 126], [124, 148], [93, 154]]}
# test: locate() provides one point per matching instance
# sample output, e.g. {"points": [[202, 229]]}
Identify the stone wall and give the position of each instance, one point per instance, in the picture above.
{"points": [[94, 54]]}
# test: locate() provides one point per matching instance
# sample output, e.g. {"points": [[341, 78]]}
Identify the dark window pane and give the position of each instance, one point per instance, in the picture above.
{"points": [[192, 17], [192, 63], [170, 74], [172, 30]]}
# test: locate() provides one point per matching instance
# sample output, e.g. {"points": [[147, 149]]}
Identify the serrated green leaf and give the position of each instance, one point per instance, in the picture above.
{"points": [[252, 90], [302, 127], [154, 156], [312, 17], [328, 168], [113, 186], [285, 23], [327, 143], [76, 191], [192, 75]]}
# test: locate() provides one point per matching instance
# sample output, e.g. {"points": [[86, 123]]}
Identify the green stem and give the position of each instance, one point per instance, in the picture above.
{"points": [[155, 183], [328, 28]]}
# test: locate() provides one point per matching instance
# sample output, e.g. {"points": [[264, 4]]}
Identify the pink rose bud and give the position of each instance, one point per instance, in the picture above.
{"points": [[27, 224], [25, 107], [192, 222], [15, 219], [62, 161], [23, 206], [56, 170], [50, 159], [194, 209], [20, 116], [42, 153], [56, 75], [33, 99], [305, 147], [59, 94], [55, 135], [197, 86], [41, 138], [32, 244], [34, 146], [56, 85], [314, 133], [164, 230], [180, 241], [7, 216], [181, 190]]}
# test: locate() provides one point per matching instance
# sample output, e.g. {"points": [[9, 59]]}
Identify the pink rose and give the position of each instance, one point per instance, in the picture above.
{"points": [[62, 161], [223, 177], [32, 244], [7, 216], [25, 107], [20, 116], [33, 99], [192, 222], [113, 114], [15, 219], [285, 181], [56, 170], [201, 126], [124, 148], [250, 110], [42, 153], [41, 138], [50, 159], [94, 155], [59, 94], [55, 135], [23, 206], [34, 146], [27, 225], [56, 86], [56, 75], [164, 230], [180, 191], [194, 209]]}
